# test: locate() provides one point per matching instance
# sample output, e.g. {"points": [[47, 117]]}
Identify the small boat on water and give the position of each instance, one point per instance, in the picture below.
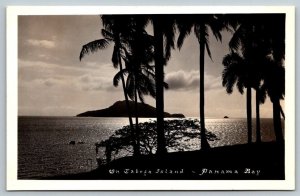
{"points": [[226, 117], [72, 142]]}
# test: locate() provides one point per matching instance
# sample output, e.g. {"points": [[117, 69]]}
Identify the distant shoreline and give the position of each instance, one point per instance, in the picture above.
{"points": [[187, 117]]}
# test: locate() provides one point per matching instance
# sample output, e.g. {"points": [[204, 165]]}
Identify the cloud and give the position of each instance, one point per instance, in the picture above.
{"points": [[41, 43], [36, 64], [49, 83], [44, 82], [31, 66], [40, 73], [56, 81], [95, 83], [85, 79], [190, 80], [212, 82], [92, 65], [182, 80]]}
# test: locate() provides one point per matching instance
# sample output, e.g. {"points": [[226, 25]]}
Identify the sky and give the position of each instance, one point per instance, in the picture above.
{"points": [[52, 81]]}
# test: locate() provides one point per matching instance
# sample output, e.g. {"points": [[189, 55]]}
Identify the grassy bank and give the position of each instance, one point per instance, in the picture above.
{"points": [[263, 161]]}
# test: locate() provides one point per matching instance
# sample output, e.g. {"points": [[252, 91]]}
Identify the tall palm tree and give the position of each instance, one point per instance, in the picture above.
{"points": [[138, 83], [236, 72], [164, 33], [274, 84], [266, 39], [140, 74], [201, 25], [246, 71], [114, 26], [260, 97], [275, 71], [244, 41]]}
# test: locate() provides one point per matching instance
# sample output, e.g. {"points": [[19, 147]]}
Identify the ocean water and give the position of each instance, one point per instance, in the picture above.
{"points": [[44, 148]]}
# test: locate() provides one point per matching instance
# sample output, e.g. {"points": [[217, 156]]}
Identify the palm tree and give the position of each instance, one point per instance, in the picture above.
{"points": [[275, 71], [164, 33], [201, 25], [236, 72], [246, 70], [274, 84], [114, 26], [244, 40], [259, 98], [266, 40], [250, 70], [140, 74], [140, 80], [139, 83]]}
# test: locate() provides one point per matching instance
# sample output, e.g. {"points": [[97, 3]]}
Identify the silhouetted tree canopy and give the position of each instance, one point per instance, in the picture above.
{"points": [[177, 133]]}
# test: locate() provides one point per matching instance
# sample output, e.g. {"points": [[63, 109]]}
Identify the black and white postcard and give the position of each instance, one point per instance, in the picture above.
{"points": [[150, 98]]}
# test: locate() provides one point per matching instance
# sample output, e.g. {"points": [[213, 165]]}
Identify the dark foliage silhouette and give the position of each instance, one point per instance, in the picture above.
{"points": [[201, 24], [115, 28]]}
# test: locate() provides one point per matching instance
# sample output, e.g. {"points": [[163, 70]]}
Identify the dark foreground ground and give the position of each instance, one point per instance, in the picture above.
{"points": [[240, 162]]}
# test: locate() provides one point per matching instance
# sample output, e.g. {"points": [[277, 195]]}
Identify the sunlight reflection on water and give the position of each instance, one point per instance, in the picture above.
{"points": [[44, 142]]}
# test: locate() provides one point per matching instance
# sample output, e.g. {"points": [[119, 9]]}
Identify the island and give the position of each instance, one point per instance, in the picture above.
{"points": [[226, 117], [118, 109]]}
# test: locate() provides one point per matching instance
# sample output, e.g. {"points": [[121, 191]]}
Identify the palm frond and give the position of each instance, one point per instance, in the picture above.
{"points": [[92, 47], [197, 32], [107, 35], [228, 80], [130, 86], [169, 44], [218, 35], [240, 86], [232, 74], [119, 76], [115, 57], [235, 41], [184, 28], [216, 25], [262, 94], [141, 97], [208, 50], [166, 85], [152, 89]]}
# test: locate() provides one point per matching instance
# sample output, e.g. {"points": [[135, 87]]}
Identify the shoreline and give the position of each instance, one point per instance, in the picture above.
{"points": [[264, 161]]}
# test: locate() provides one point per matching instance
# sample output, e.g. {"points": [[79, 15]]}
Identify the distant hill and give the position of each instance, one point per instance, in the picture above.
{"points": [[118, 109]]}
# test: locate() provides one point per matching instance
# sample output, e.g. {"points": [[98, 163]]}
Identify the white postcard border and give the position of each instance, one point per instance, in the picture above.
{"points": [[12, 103]]}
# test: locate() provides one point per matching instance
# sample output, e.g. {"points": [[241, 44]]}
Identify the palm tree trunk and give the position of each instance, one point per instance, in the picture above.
{"points": [[249, 115], [277, 121], [159, 78], [204, 142], [258, 136], [137, 138], [282, 113], [135, 149]]}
